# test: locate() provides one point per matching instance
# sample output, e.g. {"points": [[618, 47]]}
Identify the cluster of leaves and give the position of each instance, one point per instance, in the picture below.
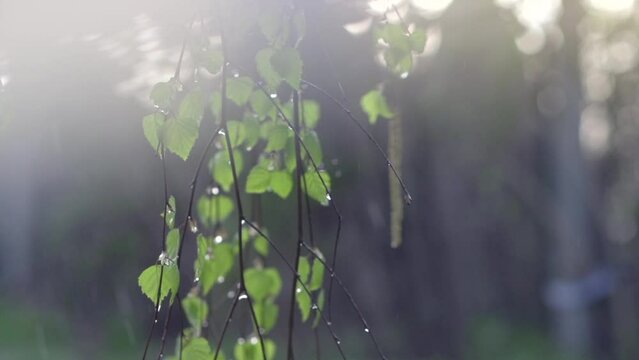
{"points": [[263, 148]]}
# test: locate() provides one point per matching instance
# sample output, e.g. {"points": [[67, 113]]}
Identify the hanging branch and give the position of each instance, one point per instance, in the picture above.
{"points": [[242, 293], [332, 274], [315, 306], [300, 228]]}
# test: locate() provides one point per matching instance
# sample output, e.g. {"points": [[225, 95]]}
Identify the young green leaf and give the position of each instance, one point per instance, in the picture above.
{"points": [[310, 113], [317, 275], [196, 310], [261, 245], [288, 64], [262, 283], [303, 301], [266, 313], [258, 180], [260, 103], [180, 135], [214, 209], [197, 349], [252, 350], [163, 93], [277, 136], [152, 125], [417, 40], [266, 69], [149, 281], [281, 183], [303, 269], [172, 243], [239, 89], [320, 307], [314, 186], [220, 166], [212, 60], [374, 105]]}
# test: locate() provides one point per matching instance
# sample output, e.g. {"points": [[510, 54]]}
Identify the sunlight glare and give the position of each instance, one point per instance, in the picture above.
{"points": [[537, 13], [612, 7]]}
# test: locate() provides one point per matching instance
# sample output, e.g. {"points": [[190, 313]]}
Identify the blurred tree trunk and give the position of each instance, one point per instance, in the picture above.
{"points": [[572, 252]]}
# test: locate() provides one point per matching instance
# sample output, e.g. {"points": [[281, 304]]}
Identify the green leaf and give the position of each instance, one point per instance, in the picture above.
{"points": [[197, 349], [192, 106], [417, 40], [214, 209], [149, 281], [172, 243], [196, 310], [315, 188], [374, 105], [252, 350], [163, 93], [310, 113], [303, 301], [398, 61], [395, 36], [317, 275], [263, 283], [212, 60], [281, 183], [277, 136], [221, 170], [180, 135], [239, 89], [261, 245], [266, 69], [303, 269], [258, 180], [152, 125], [261, 104], [266, 313], [252, 131], [288, 64], [169, 212], [312, 142], [213, 262], [237, 132]]}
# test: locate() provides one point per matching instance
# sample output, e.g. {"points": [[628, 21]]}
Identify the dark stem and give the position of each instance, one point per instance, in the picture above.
{"points": [[325, 321], [300, 228], [332, 274]]}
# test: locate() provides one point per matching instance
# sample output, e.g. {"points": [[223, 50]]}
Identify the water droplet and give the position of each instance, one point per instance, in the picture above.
{"points": [[273, 96], [196, 280], [328, 197], [366, 330], [230, 294], [215, 190], [236, 74], [243, 222], [254, 340], [192, 225], [298, 290], [221, 132], [218, 239], [207, 257], [403, 75], [339, 342], [314, 307], [155, 321], [220, 279], [329, 323], [241, 341], [242, 297]]}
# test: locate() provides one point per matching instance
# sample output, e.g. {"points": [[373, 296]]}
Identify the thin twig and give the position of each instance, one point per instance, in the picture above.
{"points": [[332, 274], [325, 321]]}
